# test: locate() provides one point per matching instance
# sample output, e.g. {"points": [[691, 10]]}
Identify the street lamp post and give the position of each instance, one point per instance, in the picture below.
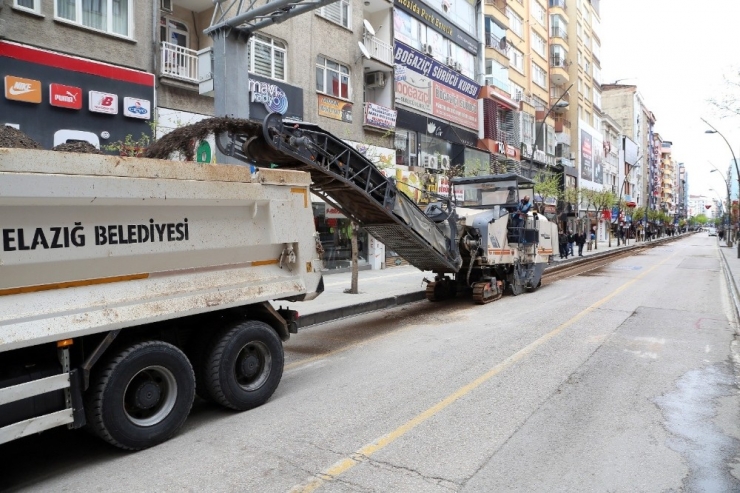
{"points": [[734, 160], [619, 200], [558, 104], [728, 236]]}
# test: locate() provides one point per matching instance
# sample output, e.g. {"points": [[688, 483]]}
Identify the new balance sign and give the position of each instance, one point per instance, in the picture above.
{"points": [[103, 102]]}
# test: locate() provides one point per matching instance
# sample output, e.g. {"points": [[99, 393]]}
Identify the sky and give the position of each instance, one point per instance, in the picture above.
{"points": [[676, 52]]}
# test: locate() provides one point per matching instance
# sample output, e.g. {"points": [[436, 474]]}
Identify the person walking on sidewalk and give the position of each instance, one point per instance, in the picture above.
{"points": [[563, 244], [580, 241], [571, 240]]}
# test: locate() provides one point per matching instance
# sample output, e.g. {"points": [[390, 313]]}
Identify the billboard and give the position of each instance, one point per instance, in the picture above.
{"points": [[592, 154], [630, 151]]}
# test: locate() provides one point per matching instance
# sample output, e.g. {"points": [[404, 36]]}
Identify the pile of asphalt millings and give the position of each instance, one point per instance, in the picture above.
{"points": [[12, 137], [83, 147], [184, 139]]}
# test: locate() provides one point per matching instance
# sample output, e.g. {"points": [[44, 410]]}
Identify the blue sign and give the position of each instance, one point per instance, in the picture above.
{"points": [[429, 67], [615, 211]]}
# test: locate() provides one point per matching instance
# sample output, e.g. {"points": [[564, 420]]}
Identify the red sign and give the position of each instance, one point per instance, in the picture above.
{"points": [[65, 96], [454, 106], [606, 215]]}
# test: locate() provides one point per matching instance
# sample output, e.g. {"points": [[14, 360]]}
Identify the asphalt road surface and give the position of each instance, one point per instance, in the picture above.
{"points": [[622, 379]]}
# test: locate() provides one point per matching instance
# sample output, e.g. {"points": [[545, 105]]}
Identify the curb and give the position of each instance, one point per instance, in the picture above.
{"points": [[734, 294], [352, 310]]}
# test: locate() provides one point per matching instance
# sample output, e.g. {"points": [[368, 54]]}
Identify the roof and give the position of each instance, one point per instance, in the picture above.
{"points": [[520, 180]]}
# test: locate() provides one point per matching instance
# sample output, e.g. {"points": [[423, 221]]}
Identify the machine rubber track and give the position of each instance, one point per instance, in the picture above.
{"points": [[346, 179], [486, 292]]}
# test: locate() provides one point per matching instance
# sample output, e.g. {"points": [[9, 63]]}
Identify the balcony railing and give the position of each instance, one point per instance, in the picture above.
{"points": [[558, 93], [379, 49], [498, 44], [558, 62], [504, 85], [179, 62], [558, 32], [558, 3]]}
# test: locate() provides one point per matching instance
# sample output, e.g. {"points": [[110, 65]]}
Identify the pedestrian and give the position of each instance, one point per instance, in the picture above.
{"points": [[571, 241], [593, 237], [563, 244], [580, 241]]}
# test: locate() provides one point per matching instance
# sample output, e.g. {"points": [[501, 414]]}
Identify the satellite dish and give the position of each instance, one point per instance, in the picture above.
{"points": [[368, 27], [364, 51]]}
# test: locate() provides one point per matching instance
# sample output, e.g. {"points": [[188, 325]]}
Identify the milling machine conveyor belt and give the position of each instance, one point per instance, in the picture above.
{"points": [[346, 179]]}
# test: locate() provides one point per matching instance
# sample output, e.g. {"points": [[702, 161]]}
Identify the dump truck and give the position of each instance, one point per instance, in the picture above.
{"points": [[128, 285]]}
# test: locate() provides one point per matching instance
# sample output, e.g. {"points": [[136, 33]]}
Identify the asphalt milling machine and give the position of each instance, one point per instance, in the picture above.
{"points": [[472, 240]]}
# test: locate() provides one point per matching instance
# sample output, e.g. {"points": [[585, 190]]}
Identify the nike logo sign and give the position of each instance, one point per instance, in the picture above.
{"points": [[15, 91]]}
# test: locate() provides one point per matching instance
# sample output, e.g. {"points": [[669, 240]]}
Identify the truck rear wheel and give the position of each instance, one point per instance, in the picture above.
{"points": [[141, 396], [244, 365]]}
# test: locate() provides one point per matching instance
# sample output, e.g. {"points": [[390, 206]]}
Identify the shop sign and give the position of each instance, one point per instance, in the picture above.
{"points": [[20, 89], [415, 92], [431, 18], [335, 109], [400, 73], [270, 95], [65, 96], [455, 107], [136, 108], [501, 148], [333, 213], [550, 209], [429, 67], [103, 102], [380, 116], [510, 151]]}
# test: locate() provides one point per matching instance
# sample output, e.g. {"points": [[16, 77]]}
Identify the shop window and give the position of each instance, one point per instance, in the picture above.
{"points": [[29, 5], [335, 234], [338, 12], [405, 144], [477, 163], [332, 78], [109, 16], [434, 153], [267, 57]]}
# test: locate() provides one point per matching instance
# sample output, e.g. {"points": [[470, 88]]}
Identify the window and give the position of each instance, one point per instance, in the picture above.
{"points": [[539, 45], [538, 12], [110, 16], [517, 91], [580, 58], [586, 92], [597, 99], [539, 76], [516, 60], [516, 24], [527, 128], [338, 12], [30, 5], [332, 78], [267, 57], [497, 75], [579, 30]]}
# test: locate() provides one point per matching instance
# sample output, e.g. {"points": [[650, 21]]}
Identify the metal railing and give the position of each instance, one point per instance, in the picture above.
{"points": [[179, 62], [558, 3], [504, 85], [498, 44], [558, 32], [379, 49], [558, 93], [558, 62]]}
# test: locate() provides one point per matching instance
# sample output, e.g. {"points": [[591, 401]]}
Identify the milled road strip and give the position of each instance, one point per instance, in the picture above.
{"points": [[364, 453]]}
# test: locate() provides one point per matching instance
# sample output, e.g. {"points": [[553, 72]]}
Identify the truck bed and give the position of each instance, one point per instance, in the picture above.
{"points": [[92, 243]]}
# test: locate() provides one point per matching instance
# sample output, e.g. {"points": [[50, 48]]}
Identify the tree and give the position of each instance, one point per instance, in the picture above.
{"points": [[603, 200], [547, 186], [701, 219], [728, 102]]}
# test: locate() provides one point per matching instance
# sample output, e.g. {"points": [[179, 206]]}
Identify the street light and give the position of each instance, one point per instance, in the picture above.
{"points": [[729, 204], [734, 160], [558, 104], [621, 189]]}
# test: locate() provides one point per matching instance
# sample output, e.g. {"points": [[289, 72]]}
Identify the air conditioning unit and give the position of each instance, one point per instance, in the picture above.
{"points": [[450, 62], [458, 66], [430, 161], [572, 156], [444, 162], [166, 5], [427, 49], [374, 79]]}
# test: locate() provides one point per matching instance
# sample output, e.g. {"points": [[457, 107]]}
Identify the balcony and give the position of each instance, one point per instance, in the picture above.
{"points": [[559, 33], [379, 50], [504, 85], [562, 125], [178, 62], [557, 3], [559, 70], [498, 44]]}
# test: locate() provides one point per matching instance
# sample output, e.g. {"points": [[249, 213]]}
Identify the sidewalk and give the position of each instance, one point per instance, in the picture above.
{"points": [[394, 286]]}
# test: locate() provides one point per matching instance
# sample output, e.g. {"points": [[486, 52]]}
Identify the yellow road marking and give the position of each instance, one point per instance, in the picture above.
{"points": [[364, 453]]}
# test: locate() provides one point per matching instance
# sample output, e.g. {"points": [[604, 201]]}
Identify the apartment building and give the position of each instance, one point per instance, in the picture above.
{"points": [[612, 138], [625, 104], [664, 187]]}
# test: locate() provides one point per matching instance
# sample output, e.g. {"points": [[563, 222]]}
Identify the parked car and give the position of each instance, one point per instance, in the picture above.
{"points": [[712, 231]]}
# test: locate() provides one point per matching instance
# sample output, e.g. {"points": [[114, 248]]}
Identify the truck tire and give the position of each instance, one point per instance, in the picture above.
{"points": [[244, 365], [141, 396]]}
